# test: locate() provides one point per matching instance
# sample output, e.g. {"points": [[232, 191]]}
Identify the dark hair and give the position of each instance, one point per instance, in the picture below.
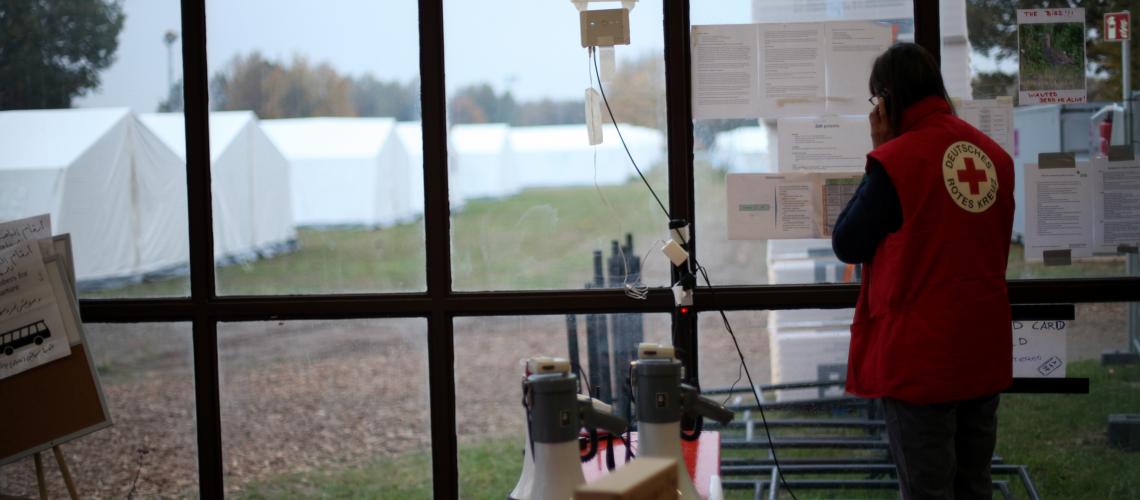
{"points": [[905, 74]]}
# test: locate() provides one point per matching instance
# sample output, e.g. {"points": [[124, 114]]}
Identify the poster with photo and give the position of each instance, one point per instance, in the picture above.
{"points": [[1051, 52]]}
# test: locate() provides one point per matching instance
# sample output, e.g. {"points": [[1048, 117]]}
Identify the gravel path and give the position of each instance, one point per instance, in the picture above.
{"points": [[306, 396]]}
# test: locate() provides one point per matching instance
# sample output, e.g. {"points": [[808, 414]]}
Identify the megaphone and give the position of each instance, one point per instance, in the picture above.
{"points": [[555, 413], [526, 479], [661, 401]]}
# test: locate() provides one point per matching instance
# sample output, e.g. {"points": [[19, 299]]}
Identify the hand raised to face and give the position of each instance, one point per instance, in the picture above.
{"points": [[880, 124]]}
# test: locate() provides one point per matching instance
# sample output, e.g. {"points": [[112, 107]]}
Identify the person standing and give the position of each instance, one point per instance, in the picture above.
{"points": [[931, 224]]}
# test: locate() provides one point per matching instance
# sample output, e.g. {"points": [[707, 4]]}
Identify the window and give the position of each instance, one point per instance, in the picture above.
{"points": [[498, 259], [67, 127], [531, 198], [321, 407], [316, 148], [980, 60], [147, 377], [490, 355], [750, 144]]}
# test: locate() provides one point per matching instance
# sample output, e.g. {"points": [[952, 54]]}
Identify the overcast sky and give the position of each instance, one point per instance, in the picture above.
{"points": [[530, 46]]}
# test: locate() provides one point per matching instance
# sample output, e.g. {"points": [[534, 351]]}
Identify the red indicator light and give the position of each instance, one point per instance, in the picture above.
{"points": [[684, 310]]}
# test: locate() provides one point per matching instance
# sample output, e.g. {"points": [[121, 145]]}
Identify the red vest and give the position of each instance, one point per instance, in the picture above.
{"points": [[933, 320]]}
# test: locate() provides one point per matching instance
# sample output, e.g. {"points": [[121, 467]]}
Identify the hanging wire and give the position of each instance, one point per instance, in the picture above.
{"points": [[704, 274]]}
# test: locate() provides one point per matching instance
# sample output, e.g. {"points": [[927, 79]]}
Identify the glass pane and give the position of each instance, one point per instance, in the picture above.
{"points": [[326, 408], [147, 375], [980, 55], [489, 362], [749, 142], [76, 80], [1060, 439], [531, 198], [316, 147]]}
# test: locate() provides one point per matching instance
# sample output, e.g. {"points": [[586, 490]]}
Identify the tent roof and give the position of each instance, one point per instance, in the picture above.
{"points": [[52, 138], [575, 137], [480, 137], [411, 134], [754, 138], [352, 137], [225, 126]]}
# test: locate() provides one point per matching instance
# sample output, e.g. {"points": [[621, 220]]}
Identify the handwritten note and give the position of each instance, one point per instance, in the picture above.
{"points": [[1039, 349], [30, 229], [1051, 69], [31, 327]]}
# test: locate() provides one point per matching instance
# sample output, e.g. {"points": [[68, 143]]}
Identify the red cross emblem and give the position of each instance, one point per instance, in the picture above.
{"points": [[972, 176]]}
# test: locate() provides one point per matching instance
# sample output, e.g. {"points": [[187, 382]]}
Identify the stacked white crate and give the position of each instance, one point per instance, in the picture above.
{"points": [[803, 340]]}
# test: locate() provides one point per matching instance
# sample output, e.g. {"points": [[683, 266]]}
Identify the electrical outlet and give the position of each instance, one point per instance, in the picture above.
{"points": [[605, 27]]}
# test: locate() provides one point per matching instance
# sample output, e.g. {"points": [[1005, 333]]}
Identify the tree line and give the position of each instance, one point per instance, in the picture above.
{"points": [[53, 51], [301, 88]]}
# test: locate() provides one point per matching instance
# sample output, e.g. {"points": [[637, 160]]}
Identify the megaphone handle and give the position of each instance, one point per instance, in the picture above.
{"points": [[592, 451], [698, 425], [611, 463]]}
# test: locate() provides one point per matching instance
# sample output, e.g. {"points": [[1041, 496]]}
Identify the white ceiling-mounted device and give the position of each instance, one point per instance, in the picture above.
{"points": [[604, 27]]}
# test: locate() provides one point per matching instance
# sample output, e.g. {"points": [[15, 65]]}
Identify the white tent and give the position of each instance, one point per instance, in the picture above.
{"points": [[561, 155], [485, 161], [104, 178], [743, 149], [345, 171], [252, 210], [411, 135]]}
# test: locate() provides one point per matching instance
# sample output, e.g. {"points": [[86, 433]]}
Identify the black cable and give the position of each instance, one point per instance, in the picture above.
{"points": [[732, 388], [752, 385], [708, 284], [602, 89]]}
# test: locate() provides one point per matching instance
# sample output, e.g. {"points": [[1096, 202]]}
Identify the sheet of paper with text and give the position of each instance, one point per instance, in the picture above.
{"points": [[32, 332], [1058, 212]]}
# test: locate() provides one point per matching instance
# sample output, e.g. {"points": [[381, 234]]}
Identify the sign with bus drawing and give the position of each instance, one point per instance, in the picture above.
{"points": [[31, 327]]}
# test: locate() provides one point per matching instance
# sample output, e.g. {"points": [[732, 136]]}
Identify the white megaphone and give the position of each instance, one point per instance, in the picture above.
{"points": [[526, 479], [555, 413], [661, 402]]}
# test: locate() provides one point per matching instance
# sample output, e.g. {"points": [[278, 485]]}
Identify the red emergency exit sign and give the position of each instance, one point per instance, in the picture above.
{"points": [[1117, 26]]}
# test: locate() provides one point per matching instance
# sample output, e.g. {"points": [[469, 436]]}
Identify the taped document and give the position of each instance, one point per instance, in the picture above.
{"points": [[784, 69], [994, 117], [1051, 44], [790, 11], [1116, 203], [851, 51], [787, 206], [826, 143], [1039, 349], [1058, 214], [725, 71], [793, 69]]}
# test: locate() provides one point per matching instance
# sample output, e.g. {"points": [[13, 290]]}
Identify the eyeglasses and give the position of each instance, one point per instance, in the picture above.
{"points": [[875, 100]]}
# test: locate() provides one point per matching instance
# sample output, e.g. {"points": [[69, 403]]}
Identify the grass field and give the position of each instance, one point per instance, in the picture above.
{"points": [[1062, 438], [538, 239], [544, 238]]}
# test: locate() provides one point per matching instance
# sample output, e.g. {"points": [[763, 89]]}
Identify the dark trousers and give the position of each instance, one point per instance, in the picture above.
{"points": [[943, 451]]}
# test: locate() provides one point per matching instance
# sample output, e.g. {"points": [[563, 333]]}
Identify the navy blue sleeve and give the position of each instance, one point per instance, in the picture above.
{"points": [[872, 214]]}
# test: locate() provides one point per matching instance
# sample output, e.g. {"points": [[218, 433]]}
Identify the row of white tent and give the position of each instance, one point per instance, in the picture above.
{"points": [[114, 179]]}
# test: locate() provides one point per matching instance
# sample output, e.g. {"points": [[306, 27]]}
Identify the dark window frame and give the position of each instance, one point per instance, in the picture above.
{"points": [[439, 305]]}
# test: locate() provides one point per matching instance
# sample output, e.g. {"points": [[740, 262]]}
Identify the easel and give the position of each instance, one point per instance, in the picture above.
{"points": [[59, 460]]}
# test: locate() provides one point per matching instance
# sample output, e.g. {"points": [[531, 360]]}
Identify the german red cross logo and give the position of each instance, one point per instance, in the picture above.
{"points": [[970, 177]]}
